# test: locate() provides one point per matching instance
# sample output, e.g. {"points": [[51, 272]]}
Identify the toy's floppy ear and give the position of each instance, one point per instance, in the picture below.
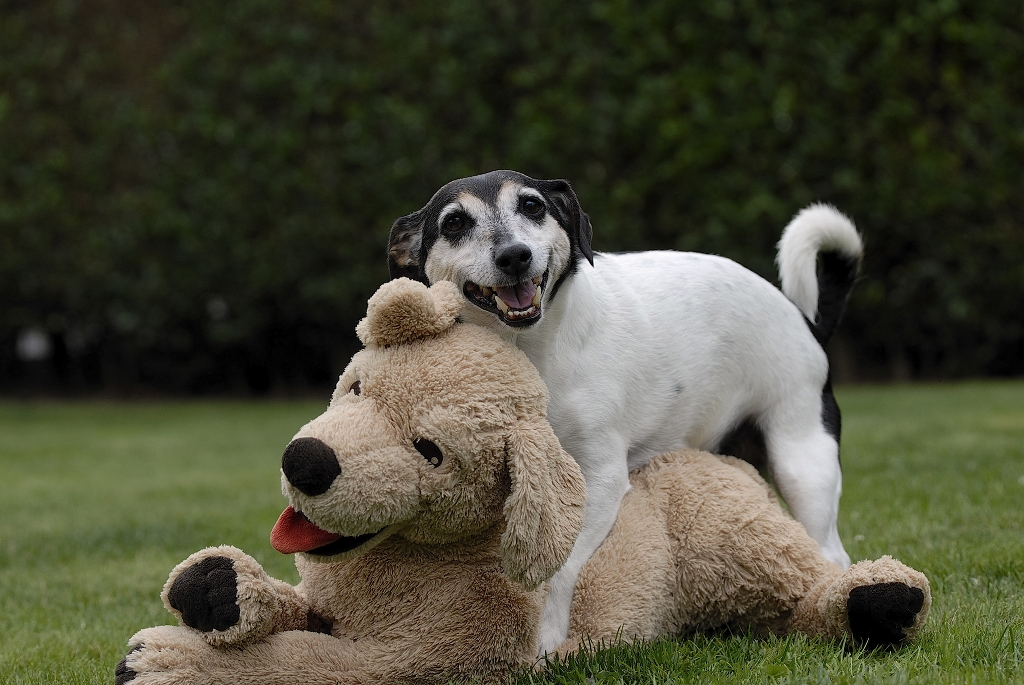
{"points": [[404, 310], [544, 513]]}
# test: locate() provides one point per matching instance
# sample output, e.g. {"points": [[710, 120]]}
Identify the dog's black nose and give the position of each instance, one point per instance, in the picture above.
{"points": [[310, 465], [514, 259]]}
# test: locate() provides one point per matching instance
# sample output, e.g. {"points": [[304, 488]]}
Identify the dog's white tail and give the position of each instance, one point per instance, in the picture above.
{"points": [[822, 296]]}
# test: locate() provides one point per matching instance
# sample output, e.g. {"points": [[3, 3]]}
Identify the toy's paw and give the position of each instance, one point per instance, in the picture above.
{"points": [[206, 595], [880, 615], [162, 656], [225, 595], [122, 673], [885, 602]]}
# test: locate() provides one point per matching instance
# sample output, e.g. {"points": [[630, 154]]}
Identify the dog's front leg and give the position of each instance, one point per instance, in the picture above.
{"points": [[607, 482]]}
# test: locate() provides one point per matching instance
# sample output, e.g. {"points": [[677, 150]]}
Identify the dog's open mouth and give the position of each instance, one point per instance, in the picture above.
{"points": [[293, 533], [516, 305]]}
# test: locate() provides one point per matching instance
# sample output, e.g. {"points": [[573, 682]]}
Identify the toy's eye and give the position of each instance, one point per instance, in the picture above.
{"points": [[531, 206], [453, 224], [430, 451], [355, 388]]}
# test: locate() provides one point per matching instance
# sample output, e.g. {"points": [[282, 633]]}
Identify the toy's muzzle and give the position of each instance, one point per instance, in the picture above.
{"points": [[310, 465]]}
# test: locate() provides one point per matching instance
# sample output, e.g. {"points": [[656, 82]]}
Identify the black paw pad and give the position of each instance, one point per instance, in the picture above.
{"points": [[206, 595], [880, 613], [123, 674]]}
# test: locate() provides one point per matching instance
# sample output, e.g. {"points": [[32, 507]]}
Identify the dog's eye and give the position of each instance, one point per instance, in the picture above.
{"points": [[453, 224], [531, 207], [355, 388], [430, 451]]}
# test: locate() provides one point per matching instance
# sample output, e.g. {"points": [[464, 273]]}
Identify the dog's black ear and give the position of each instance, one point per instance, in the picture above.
{"points": [[569, 213], [586, 237], [404, 247]]}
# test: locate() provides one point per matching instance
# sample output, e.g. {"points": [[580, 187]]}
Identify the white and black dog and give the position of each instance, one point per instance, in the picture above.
{"points": [[651, 351]]}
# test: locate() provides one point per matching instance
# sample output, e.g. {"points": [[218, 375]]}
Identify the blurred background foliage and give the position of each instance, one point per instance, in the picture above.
{"points": [[195, 196]]}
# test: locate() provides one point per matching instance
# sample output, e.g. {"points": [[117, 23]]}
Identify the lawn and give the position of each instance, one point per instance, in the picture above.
{"points": [[99, 501]]}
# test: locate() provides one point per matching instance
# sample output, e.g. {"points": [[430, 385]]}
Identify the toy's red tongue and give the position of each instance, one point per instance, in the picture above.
{"points": [[519, 296], [293, 533]]}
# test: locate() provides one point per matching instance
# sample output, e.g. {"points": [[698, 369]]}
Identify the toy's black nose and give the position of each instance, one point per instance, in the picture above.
{"points": [[310, 465], [514, 259]]}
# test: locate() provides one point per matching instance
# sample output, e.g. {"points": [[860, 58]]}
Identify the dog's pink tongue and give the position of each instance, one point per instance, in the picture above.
{"points": [[519, 296], [293, 533]]}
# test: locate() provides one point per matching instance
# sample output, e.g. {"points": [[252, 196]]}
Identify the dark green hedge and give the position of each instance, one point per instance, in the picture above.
{"points": [[195, 196]]}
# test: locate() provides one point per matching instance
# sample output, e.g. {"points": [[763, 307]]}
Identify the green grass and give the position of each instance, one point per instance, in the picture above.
{"points": [[99, 501]]}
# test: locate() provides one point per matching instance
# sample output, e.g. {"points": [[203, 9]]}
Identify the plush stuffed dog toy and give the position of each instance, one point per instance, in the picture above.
{"points": [[431, 501]]}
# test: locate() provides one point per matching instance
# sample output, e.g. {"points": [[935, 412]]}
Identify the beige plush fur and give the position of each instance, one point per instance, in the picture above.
{"points": [[701, 543], [450, 585]]}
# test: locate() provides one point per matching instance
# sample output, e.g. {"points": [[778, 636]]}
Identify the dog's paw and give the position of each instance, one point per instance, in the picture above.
{"points": [[554, 619], [549, 641], [206, 594], [552, 636]]}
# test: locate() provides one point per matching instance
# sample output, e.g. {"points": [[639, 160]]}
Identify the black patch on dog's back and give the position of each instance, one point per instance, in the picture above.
{"points": [[831, 417], [836, 275]]}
